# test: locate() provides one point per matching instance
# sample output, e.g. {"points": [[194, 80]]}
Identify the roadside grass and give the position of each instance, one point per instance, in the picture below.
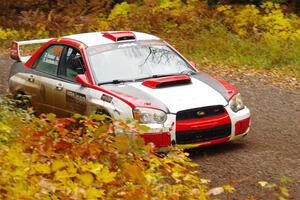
{"points": [[222, 47]]}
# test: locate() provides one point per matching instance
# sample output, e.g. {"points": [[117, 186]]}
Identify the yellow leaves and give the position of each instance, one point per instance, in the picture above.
{"points": [[223, 8], [269, 22], [8, 34], [120, 10], [177, 176], [15, 157], [42, 168], [284, 191], [68, 172], [95, 168], [3, 137], [229, 188], [61, 175], [106, 176], [262, 183], [265, 184], [204, 181], [285, 179], [107, 167], [58, 164], [101, 172], [93, 193], [86, 178], [4, 128]]}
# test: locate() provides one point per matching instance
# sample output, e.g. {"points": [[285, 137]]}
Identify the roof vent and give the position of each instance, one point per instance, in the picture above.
{"points": [[119, 36]]}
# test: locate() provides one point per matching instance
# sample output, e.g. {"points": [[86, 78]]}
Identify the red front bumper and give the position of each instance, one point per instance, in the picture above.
{"points": [[200, 132], [162, 139]]}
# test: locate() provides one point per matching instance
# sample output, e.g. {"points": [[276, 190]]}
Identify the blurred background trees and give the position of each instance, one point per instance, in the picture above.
{"points": [[253, 33]]}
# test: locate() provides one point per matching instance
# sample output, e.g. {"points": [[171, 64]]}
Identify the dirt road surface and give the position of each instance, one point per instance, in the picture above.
{"points": [[269, 152]]}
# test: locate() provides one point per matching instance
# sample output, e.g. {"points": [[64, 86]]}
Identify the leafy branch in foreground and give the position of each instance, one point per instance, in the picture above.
{"points": [[80, 158]]}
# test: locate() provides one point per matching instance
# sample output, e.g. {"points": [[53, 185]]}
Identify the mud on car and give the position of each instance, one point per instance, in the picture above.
{"points": [[130, 75]]}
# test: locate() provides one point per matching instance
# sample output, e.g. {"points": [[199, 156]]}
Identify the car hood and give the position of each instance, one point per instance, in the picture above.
{"points": [[173, 98]]}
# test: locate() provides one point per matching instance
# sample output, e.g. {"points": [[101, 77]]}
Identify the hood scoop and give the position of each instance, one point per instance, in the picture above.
{"points": [[169, 81]]}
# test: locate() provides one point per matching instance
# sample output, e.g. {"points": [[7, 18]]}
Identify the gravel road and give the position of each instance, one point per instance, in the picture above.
{"points": [[269, 152]]}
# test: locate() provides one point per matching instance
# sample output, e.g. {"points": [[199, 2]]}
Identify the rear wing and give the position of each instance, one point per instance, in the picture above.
{"points": [[15, 52]]}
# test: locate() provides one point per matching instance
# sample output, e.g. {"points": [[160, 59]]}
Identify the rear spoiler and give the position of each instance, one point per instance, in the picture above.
{"points": [[15, 48]]}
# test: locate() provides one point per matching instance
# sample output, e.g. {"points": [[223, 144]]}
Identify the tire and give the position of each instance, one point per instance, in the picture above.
{"points": [[23, 101]]}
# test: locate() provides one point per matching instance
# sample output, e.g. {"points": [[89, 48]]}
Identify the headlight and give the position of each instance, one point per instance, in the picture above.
{"points": [[149, 115], [236, 103]]}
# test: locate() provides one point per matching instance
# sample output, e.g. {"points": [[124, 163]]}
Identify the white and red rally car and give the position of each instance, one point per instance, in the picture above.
{"points": [[130, 75]]}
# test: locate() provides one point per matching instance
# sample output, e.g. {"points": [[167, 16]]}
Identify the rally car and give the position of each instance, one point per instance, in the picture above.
{"points": [[130, 75]]}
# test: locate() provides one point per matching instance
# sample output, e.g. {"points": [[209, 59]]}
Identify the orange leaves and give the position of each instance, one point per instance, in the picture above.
{"points": [[121, 143], [134, 173], [84, 158]]}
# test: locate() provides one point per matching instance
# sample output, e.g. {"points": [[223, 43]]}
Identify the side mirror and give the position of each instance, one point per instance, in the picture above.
{"points": [[193, 63], [81, 79]]}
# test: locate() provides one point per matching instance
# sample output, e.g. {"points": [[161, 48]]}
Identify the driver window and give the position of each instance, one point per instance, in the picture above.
{"points": [[72, 64], [49, 60]]}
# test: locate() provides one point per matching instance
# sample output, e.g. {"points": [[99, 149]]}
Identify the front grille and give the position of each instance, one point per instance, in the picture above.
{"points": [[194, 136], [197, 113]]}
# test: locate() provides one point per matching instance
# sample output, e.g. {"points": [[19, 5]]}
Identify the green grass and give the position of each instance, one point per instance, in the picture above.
{"points": [[218, 45]]}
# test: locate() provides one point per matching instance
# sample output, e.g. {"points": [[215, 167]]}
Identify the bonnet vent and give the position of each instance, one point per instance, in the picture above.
{"points": [[167, 82]]}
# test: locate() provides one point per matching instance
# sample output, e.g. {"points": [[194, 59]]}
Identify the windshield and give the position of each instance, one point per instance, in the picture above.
{"points": [[135, 60]]}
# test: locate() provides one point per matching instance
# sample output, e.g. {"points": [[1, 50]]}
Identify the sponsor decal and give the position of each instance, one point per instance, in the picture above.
{"points": [[152, 42], [106, 98], [76, 101], [126, 45], [51, 59], [107, 47]]}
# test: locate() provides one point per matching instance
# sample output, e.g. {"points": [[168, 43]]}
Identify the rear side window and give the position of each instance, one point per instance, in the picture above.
{"points": [[49, 60]]}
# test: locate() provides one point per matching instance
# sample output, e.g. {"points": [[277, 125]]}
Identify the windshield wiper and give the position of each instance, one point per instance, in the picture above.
{"points": [[116, 81], [155, 76]]}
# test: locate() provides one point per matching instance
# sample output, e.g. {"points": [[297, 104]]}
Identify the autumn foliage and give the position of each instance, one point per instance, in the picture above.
{"points": [[85, 158], [254, 36]]}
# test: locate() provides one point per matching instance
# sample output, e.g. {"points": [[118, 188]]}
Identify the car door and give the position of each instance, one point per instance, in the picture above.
{"points": [[72, 95], [46, 68]]}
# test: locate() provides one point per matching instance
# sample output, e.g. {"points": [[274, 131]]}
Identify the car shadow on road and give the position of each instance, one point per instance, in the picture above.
{"points": [[224, 148]]}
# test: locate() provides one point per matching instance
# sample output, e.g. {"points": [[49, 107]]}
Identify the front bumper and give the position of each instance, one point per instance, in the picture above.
{"points": [[165, 135]]}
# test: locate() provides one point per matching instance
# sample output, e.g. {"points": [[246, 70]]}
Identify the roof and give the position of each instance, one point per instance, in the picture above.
{"points": [[96, 38]]}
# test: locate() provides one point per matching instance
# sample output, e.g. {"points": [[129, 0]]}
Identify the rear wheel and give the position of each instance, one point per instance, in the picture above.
{"points": [[23, 101]]}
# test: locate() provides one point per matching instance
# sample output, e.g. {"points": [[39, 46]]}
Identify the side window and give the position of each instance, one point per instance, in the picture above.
{"points": [[71, 64], [50, 59]]}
